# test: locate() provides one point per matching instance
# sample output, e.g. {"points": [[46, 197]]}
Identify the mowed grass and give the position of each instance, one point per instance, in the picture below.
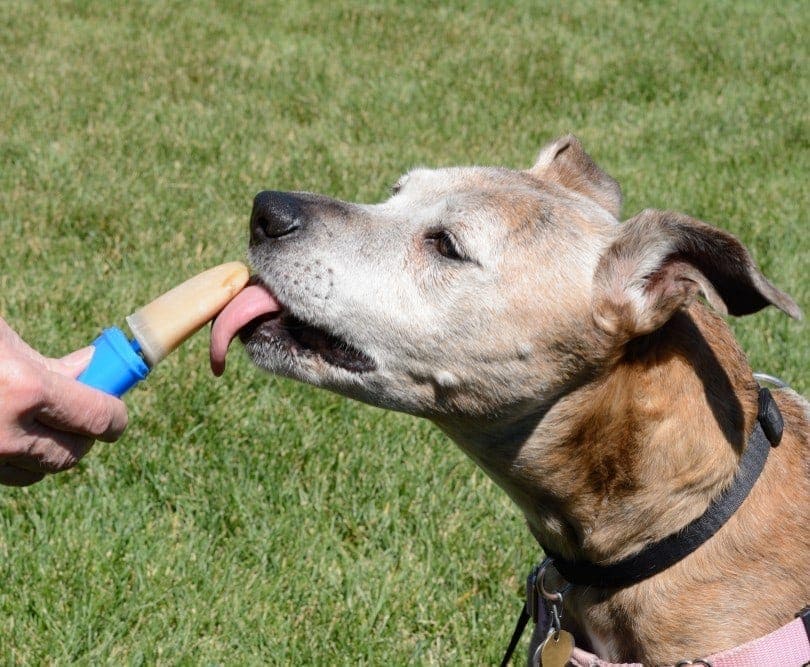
{"points": [[249, 520]]}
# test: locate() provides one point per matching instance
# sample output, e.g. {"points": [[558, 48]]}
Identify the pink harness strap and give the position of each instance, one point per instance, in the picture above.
{"points": [[787, 647]]}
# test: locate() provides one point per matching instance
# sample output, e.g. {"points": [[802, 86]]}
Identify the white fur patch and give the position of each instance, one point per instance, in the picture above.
{"points": [[445, 379]]}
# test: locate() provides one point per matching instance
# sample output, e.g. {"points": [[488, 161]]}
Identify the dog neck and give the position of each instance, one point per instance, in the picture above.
{"points": [[635, 453]]}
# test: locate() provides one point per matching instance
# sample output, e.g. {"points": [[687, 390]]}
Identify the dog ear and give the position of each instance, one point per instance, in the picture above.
{"points": [[564, 161], [660, 261]]}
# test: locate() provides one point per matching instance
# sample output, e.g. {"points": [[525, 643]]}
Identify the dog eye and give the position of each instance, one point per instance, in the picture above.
{"points": [[444, 244]]}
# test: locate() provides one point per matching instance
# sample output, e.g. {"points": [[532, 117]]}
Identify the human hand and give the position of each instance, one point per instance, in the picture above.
{"points": [[48, 420]]}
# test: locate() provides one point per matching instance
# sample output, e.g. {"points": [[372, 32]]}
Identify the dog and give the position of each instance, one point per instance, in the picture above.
{"points": [[569, 356]]}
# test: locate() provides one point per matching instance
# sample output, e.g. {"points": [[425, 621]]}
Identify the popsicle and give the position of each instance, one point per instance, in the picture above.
{"points": [[160, 327]]}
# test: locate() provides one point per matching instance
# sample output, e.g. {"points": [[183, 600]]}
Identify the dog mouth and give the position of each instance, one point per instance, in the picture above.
{"points": [[261, 321]]}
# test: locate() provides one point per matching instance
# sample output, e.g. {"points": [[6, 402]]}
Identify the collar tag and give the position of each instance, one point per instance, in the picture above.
{"points": [[769, 417]]}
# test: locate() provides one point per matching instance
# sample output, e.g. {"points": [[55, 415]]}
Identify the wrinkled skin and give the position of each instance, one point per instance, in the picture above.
{"points": [[48, 421]]}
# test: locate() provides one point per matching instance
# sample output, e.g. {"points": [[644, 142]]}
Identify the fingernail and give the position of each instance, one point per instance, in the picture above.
{"points": [[80, 358]]}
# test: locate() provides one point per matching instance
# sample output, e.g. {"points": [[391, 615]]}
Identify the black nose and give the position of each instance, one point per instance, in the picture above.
{"points": [[275, 214]]}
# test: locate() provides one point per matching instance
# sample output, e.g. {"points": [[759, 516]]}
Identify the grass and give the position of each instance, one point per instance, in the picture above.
{"points": [[249, 520]]}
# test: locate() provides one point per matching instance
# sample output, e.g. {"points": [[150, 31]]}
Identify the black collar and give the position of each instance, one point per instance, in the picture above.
{"points": [[658, 556]]}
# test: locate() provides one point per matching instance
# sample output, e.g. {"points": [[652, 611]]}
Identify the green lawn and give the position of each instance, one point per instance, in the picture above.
{"points": [[249, 520]]}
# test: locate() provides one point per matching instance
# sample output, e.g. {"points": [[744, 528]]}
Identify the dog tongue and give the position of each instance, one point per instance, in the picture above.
{"points": [[249, 304]]}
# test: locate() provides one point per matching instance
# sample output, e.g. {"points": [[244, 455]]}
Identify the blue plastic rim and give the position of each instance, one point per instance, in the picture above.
{"points": [[116, 366]]}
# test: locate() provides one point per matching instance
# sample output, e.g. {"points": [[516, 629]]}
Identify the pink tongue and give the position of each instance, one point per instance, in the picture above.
{"points": [[249, 304]]}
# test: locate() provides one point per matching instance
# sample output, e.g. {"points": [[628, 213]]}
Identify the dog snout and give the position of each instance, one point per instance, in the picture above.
{"points": [[275, 214]]}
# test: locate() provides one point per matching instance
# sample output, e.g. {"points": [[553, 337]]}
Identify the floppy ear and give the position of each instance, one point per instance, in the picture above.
{"points": [[564, 161], [661, 261]]}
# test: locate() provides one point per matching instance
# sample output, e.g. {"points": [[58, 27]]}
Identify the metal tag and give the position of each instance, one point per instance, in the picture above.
{"points": [[556, 650]]}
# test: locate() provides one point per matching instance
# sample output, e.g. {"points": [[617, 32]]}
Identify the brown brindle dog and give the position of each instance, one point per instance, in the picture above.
{"points": [[567, 355]]}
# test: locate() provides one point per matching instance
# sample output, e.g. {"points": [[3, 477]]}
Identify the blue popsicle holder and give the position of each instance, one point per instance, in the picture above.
{"points": [[117, 365]]}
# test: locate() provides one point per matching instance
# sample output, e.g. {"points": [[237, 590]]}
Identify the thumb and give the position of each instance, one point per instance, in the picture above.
{"points": [[71, 365]]}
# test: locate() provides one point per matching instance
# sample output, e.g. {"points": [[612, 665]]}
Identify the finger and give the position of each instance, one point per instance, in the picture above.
{"points": [[49, 451], [11, 476], [67, 405], [73, 364]]}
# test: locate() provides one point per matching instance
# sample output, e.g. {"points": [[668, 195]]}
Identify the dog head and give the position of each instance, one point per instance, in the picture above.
{"points": [[473, 291]]}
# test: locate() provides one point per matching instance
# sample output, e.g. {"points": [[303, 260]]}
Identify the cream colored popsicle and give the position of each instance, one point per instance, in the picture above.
{"points": [[162, 325]]}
